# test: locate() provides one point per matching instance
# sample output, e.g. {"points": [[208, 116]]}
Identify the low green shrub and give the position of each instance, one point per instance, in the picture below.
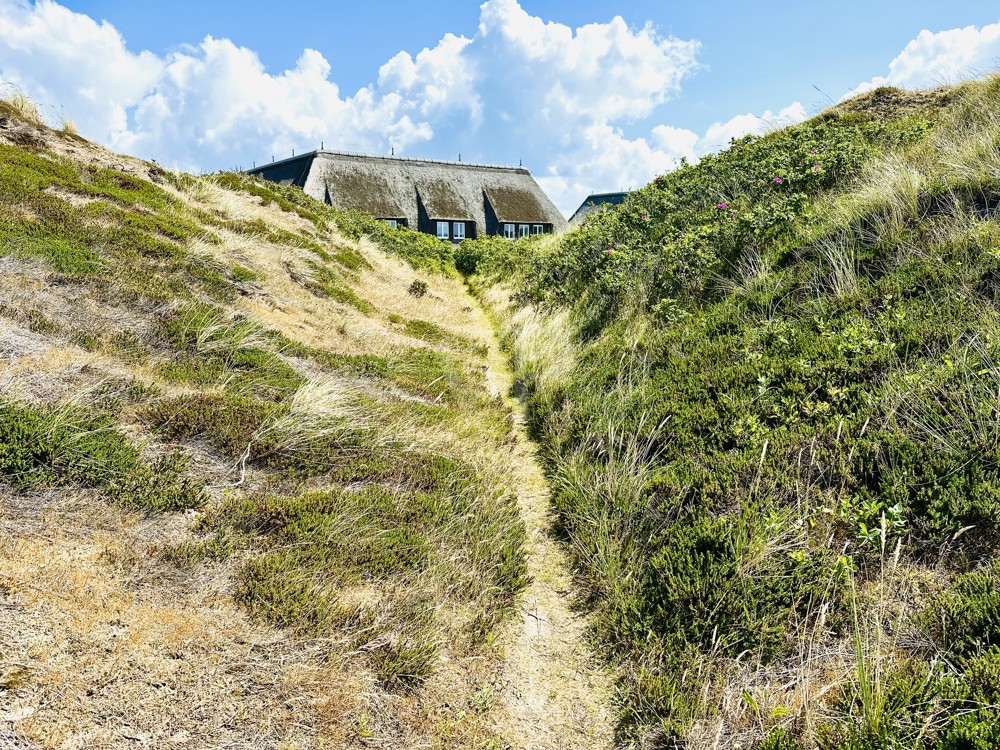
{"points": [[308, 548], [976, 731], [229, 423], [964, 619], [780, 739], [214, 349], [66, 447], [783, 366]]}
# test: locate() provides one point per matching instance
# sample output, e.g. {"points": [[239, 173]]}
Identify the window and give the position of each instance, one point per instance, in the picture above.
{"points": [[393, 223], [443, 230], [538, 229], [510, 231], [524, 230], [458, 232]]}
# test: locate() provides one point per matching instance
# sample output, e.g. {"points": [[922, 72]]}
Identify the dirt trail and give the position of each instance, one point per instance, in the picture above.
{"points": [[556, 695]]}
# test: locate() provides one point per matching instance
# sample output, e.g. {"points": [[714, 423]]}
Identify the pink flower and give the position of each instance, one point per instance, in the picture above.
{"points": [[645, 217], [608, 251], [816, 166], [734, 214], [812, 153], [778, 180], [722, 205]]}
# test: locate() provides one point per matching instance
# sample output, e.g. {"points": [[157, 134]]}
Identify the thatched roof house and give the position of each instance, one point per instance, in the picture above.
{"points": [[452, 200], [593, 202]]}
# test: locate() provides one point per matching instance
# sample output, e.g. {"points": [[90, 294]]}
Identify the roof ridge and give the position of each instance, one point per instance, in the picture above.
{"points": [[408, 159]]}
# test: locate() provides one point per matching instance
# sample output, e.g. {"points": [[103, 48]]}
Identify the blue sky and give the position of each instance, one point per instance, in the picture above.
{"points": [[588, 101]]}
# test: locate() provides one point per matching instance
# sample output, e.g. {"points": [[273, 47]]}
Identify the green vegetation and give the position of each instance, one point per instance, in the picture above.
{"points": [[326, 283], [68, 447], [431, 332], [94, 222], [753, 379], [214, 350], [316, 546], [421, 523]]}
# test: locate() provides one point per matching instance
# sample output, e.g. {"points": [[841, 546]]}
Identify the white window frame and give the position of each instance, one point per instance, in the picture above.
{"points": [[510, 231], [458, 230], [393, 223], [524, 230], [445, 227], [538, 229]]}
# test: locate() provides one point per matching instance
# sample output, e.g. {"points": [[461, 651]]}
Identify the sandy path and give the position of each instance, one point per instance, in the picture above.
{"points": [[557, 697]]}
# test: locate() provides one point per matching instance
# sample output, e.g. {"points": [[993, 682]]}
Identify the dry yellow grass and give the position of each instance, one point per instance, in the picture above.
{"points": [[114, 651], [114, 654], [23, 106]]}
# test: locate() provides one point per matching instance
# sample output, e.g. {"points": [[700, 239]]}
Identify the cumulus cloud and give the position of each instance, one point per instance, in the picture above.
{"points": [[598, 73], [520, 87], [720, 134], [217, 101], [207, 105], [940, 57], [68, 60], [440, 79]]}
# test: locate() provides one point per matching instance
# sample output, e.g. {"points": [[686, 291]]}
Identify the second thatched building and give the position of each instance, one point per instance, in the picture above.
{"points": [[451, 200]]}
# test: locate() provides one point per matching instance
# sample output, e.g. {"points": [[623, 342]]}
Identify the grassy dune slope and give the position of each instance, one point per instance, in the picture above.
{"points": [[252, 485], [767, 388]]}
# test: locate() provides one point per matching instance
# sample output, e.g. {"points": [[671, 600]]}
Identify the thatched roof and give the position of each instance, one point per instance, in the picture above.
{"points": [[394, 188]]}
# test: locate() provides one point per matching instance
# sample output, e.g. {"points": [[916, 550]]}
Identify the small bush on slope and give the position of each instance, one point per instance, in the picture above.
{"points": [[66, 447], [786, 361]]}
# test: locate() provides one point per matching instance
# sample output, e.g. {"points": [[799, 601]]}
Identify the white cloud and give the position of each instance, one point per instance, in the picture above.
{"points": [[606, 159], [599, 72], [212, 104], [520, 86], [216, 101], [681, 142], [68, 60], [440, 78], [940, 57]]}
